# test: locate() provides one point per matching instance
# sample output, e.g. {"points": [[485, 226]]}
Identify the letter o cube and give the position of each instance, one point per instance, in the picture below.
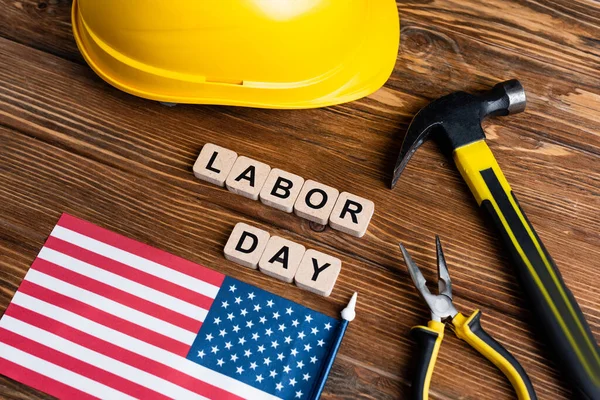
{"points": [[315, 202]]}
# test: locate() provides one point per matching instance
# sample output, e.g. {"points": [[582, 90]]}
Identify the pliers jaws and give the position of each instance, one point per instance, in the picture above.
{"points": [[440, 305]]}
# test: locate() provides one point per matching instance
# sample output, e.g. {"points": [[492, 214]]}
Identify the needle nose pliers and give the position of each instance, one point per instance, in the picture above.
{"points": [[469, 329]]}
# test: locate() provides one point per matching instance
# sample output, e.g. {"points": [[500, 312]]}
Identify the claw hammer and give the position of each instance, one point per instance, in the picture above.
{"points": [[455, 122]]}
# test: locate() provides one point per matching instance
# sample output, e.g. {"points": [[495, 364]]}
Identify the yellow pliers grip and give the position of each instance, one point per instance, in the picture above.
{"points": [[470, 330], [429, 338], [555, 307]]}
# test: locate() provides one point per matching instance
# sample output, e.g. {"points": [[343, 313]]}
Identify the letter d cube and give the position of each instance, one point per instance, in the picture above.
{"points": [[246, 245]]}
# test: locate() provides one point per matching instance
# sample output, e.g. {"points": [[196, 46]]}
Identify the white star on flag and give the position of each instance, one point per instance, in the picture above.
{"points": [[251, 296], [232, 288], [308, 318], [270, 303]]}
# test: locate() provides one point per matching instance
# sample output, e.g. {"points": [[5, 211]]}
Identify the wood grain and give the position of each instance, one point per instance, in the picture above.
{"points": [[71, 143]]}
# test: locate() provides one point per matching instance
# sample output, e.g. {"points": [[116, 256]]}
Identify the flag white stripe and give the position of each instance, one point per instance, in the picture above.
{"points": [[142, 348], [98, 360], [111, 307], [135, 261], [59, 374], [124, 284]]}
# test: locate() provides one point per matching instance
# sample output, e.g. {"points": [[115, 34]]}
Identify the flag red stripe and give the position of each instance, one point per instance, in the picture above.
{"points": [[104, 318], [116, 295], [121, 354], [141, 250], [79, 367], [128, 272], [41, 382]]}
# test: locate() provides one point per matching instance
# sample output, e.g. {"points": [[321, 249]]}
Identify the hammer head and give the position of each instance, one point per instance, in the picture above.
{"points": [[455, 119]]}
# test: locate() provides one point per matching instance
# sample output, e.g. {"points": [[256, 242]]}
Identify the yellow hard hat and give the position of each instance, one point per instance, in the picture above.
{"points": [[258, 53]]}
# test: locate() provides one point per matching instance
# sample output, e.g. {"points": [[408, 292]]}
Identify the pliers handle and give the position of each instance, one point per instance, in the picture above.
{"points": [[429, 339]]}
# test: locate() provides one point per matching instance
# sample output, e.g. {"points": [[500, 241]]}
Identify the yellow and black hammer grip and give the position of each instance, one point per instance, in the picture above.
{"points": [[428, 338], [470, 330], [559, 315]]}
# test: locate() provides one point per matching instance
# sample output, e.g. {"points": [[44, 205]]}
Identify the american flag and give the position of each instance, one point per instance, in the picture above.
{"points": [[99, 315]]}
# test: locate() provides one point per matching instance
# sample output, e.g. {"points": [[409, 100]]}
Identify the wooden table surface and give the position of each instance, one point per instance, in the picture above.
{"points": [[72, 143]]}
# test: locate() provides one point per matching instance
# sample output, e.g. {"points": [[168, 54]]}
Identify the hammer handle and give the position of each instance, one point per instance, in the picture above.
{"points": [[555, 307]]}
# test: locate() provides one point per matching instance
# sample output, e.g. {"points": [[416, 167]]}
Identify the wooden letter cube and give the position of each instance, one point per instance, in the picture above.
{"points": [[281, 258], [315, 202], [351, 214], [318, 272], [247, 177], [246, 245], [214, 164], [281, 190]]}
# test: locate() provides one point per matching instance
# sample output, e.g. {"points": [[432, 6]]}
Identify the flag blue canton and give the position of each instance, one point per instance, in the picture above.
{"points": [[264, 340]]}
